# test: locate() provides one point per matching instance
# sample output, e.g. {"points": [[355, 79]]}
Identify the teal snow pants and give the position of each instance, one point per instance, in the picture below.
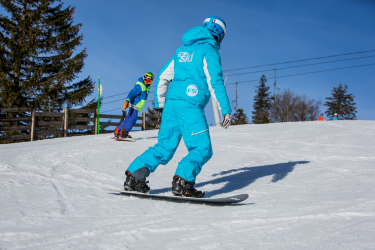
{"points": [[180, 119]]}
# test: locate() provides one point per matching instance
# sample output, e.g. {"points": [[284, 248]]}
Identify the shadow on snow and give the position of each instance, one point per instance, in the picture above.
{"points": [[236, 179]]}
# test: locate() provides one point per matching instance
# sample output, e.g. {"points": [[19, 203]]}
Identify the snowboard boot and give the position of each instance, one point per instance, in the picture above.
{"points": [[132, 184], [181, 187], [124, 134], [127, 135], [117, 133]]}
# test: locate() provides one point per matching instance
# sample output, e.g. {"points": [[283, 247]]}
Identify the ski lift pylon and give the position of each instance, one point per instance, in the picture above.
{"points": [[274, 88]]}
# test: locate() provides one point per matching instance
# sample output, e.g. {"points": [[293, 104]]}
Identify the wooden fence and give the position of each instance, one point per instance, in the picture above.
{"points": [[36, 125]]}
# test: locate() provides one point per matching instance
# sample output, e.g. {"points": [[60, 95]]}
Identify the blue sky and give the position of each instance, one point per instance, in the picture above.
{"points": [[125, 39]]}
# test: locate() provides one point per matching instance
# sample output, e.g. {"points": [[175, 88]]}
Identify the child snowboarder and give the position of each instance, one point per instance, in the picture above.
{"points": [[335, 117], [135, 101], [320, 117], [183, 89]]}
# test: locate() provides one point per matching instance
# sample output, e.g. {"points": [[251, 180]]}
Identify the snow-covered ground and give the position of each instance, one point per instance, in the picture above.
{"points": [[311, 186]]}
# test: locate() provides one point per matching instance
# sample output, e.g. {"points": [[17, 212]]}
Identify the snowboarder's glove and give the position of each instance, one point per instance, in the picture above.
{"points": [[158, 112], [227, 121], [126, 104]]}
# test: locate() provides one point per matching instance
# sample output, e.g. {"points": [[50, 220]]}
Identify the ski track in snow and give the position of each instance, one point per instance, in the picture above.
{"points": [[310, 186]]}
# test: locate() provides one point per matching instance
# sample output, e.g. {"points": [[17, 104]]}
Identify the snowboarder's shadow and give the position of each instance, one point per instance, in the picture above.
{"points": [[236, 179], [243, 177]]}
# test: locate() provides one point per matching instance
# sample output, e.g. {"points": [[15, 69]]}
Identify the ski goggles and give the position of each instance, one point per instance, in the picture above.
{"points": [[147, 82], [148, 78]]}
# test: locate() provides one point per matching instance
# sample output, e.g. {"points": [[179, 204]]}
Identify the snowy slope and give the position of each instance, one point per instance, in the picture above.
{"points": [[311, 186]]}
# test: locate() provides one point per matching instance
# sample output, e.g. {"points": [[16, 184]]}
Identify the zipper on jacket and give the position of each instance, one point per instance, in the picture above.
{"points": [[192, 134]]}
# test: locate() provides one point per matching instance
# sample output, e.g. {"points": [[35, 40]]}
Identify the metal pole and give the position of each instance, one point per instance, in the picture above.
{"points": [[236, 97], [274, 86], [99, 107], [275, 76]]}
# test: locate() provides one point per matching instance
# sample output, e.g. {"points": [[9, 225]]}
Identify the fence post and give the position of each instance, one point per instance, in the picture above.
{"points": [[123, 115], [143, 121], [32, 129], [157, 126], [96, 122], [65, 122]]}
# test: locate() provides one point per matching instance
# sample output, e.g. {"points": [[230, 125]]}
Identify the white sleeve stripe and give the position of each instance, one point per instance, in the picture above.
{"points": [[212, 91], [164, 80], [168, 73]]}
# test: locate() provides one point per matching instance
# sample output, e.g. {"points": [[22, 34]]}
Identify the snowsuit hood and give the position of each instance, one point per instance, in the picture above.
{"points": [[199, 35], [194, 73]]}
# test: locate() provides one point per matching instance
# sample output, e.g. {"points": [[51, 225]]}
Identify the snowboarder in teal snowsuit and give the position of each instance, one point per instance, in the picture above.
{"points": [[183, 88]]}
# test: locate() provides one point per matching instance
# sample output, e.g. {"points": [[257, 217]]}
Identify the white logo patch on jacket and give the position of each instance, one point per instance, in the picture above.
{"points": [[192, 90], [185, 56]]}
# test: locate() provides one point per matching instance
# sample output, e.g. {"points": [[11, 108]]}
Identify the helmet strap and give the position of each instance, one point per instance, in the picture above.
{"points": [[216, 38]]}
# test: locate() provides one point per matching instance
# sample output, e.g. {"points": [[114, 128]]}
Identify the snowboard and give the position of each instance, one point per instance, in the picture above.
{"points": [[123, 139], [218, 201]]}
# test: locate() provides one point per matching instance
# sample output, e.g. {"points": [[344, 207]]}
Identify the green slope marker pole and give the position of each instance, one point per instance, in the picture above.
{"points": [[99, 107]]}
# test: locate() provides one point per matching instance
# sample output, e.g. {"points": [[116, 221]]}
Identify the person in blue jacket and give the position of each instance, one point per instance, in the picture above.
{"points": [[135, 101], [183, 88], [335, 117]]}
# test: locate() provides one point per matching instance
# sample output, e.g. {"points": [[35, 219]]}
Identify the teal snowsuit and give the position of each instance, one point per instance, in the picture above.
{"points": [[183, 88]]}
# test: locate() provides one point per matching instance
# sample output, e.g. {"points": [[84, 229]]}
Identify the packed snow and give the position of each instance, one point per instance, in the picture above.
{"points": [[310, 184]]}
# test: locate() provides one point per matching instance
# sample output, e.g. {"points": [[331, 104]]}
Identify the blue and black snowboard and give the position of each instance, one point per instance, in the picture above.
{"points": [[218, 201]]}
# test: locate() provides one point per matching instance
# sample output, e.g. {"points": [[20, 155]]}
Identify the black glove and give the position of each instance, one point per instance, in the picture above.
{"points": [[158, 112], [227, 121]]}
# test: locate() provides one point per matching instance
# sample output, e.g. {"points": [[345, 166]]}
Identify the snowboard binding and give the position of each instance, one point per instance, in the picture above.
{"points": [[181, 187], [132, 184]]}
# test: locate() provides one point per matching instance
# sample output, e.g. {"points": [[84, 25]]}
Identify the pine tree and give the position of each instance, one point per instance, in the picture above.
{"points": [[152, 112], [38, 61], [37, 45], [239, 117], [341, 103], [262, 103]]}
